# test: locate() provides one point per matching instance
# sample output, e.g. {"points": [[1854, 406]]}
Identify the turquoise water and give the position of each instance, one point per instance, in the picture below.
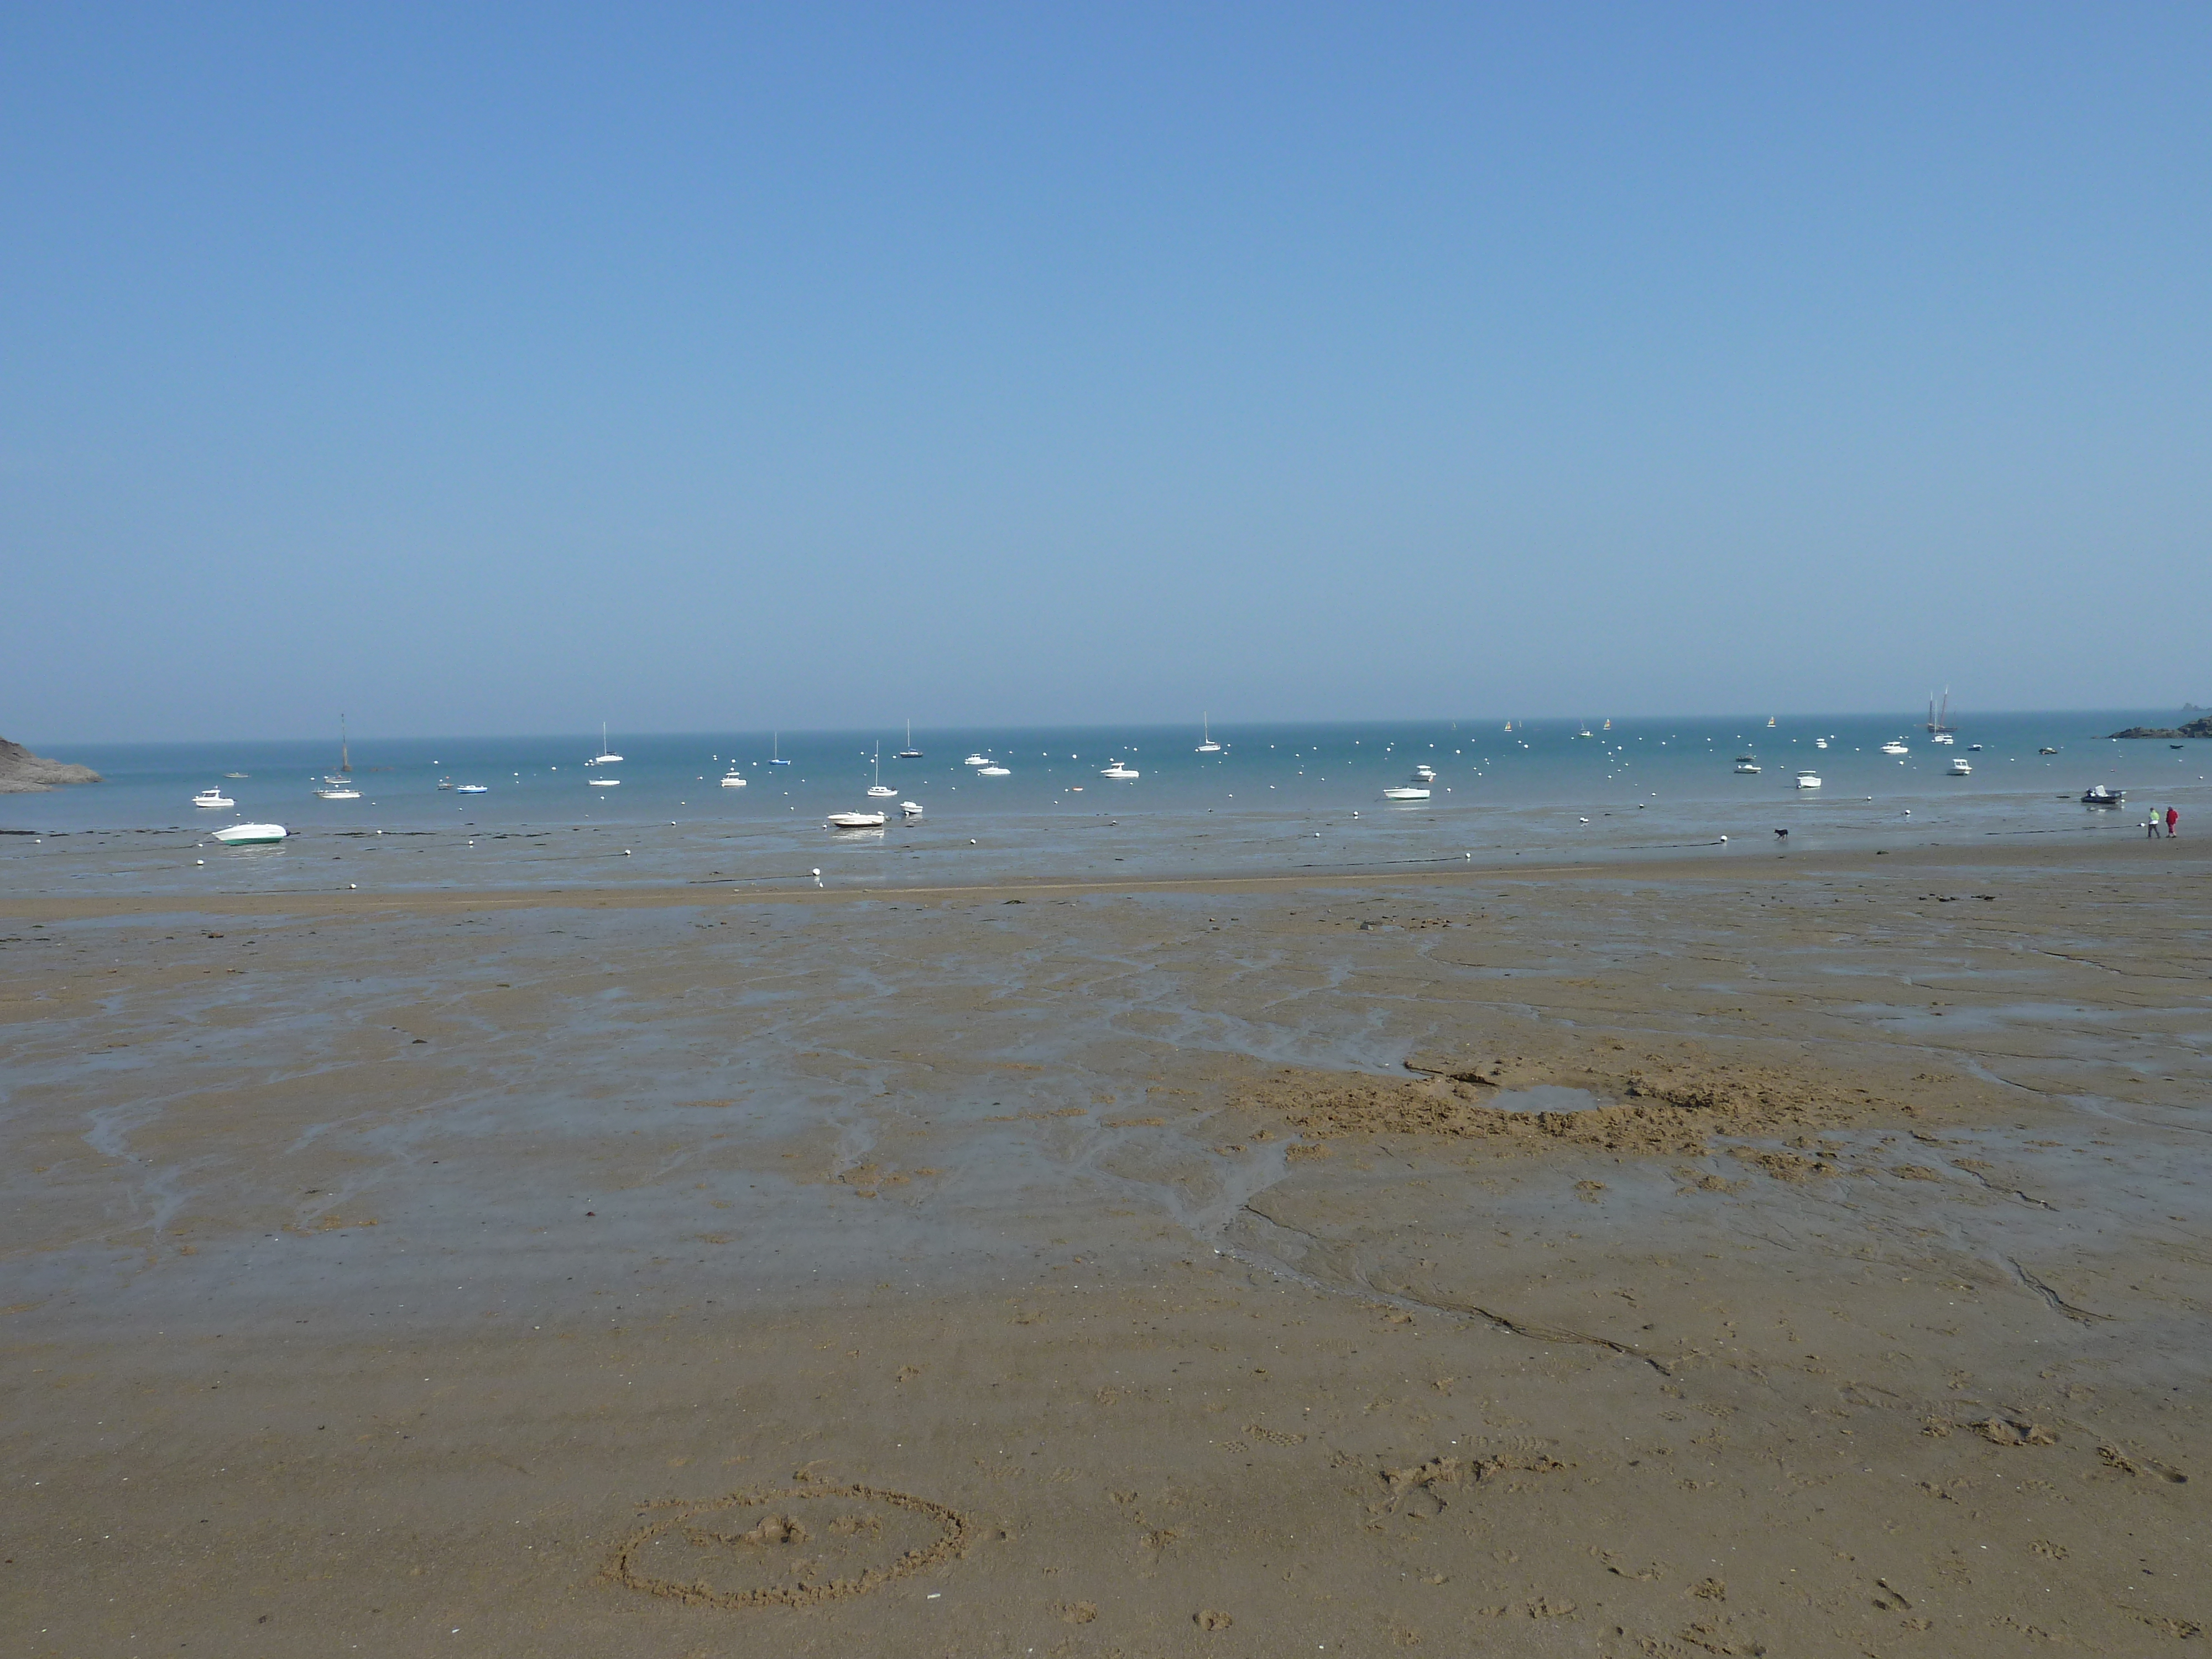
{"points": [[1276, 799]]}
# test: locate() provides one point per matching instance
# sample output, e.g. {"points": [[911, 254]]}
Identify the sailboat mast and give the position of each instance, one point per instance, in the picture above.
{"points": [[345, 759]]}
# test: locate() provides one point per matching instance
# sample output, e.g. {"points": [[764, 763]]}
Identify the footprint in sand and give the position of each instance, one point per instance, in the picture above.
{"points": [[791, 1547]]}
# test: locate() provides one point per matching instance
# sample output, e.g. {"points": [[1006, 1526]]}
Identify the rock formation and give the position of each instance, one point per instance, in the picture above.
{"points": [[22, 773], [2198, 728]]}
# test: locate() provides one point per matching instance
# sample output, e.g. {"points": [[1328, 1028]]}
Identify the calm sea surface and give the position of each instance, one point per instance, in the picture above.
{"points": [[1278, 798]]}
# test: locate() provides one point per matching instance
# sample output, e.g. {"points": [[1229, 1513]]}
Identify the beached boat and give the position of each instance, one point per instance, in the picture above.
{"points": [[2098, 795], [1205, 742], [910, 809], [603, 759], [1118, 770], [250, 835], [212, 797], [855, 820], [1747, 763], [1406, 792], [1809, 780], [1960, 767], [994, 771]]}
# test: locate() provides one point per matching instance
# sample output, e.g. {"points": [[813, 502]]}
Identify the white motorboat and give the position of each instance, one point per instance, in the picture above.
{"points": [[1896, 746], [1944, 738], [879, 788], [911, 809], [1406, 792], [338, 792], [250, 835], [976, 760], [909, 752], [732, 781], [605, 783], [1819, 743], [1118, 770], [1424, 773], [2098, 794], [1960, 767], [1974, 747], [1205, 742], [603, 759], [238, 774], [474, 789], [1747, 763], [445, 783], [994, 772], [212, 797], [1809, 780], [855, 820]]}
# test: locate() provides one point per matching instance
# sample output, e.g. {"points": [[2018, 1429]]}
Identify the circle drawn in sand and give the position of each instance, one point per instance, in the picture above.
{"points": [[799, 1546]]}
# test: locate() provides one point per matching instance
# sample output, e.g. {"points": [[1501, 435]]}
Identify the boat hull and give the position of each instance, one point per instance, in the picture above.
{"points": [[251, 835]]}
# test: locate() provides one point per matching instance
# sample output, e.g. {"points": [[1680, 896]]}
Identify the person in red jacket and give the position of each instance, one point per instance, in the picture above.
{"points": [[2172, 820]]}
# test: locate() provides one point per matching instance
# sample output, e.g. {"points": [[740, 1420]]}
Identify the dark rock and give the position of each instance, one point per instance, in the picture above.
{"points": [[2197, 728], [22, 773]]}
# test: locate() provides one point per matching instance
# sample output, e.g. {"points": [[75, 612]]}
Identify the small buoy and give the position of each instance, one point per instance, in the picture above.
{"points": [[817, 873], [352, 884], [625, 852], [195, 860], [971, 841], [1724, 839]]}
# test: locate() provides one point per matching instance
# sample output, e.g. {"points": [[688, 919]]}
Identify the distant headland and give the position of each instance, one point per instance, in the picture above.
{"points": [[22, 773], [2195, 728]]}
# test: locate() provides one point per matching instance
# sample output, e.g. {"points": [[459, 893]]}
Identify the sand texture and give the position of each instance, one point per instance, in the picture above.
{"points": [[1802, 1257]]}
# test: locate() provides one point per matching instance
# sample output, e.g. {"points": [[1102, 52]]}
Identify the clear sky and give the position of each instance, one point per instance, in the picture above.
{"points": [[508, 368]]}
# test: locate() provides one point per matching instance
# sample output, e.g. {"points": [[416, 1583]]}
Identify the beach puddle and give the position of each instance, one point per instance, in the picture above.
{"points": [[1546, 1097]]}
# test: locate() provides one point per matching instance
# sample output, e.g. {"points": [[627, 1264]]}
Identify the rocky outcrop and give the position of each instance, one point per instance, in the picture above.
{"points": [[2200, 728], [22, 773]]}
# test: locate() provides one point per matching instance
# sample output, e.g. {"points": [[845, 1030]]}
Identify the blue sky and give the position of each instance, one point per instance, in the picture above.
{"points": [[508, 368]]}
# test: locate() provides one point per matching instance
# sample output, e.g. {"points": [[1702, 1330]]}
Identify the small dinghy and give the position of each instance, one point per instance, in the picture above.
{"points": [[250, 835], [855, 820]]}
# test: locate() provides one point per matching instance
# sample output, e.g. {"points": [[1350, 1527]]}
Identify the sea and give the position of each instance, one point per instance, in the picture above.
{"points": [[1276, 799]]}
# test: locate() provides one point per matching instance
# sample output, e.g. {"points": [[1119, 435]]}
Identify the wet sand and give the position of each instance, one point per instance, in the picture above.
{"points": [[1781, 1254]]}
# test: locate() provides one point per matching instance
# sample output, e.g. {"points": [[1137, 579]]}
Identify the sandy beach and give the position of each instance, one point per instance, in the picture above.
{"points": [[1784, 1255]]}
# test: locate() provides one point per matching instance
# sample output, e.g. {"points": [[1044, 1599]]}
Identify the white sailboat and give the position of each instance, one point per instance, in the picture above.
{"points": [[879, 787], [1205, 742], [909, 752], [603, 759], [776, 750]]}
